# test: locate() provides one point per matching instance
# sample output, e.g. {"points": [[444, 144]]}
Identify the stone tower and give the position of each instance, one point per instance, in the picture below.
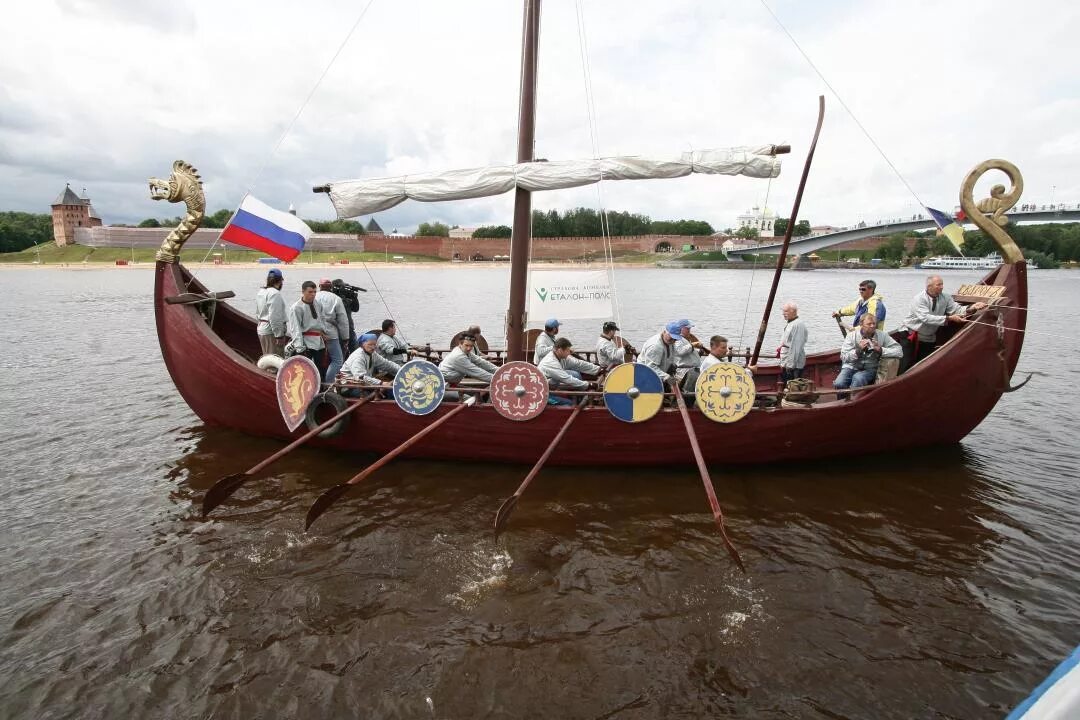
{"points": [[69, 211]]}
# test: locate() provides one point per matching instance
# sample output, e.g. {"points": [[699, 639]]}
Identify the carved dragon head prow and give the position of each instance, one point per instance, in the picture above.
{"points": [[989, 214], [184, 185]]}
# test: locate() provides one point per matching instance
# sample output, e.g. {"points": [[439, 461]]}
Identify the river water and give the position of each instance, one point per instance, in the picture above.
{"points": [[937, 584]]}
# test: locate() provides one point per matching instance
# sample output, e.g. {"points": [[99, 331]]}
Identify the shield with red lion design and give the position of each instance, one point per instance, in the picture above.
{"points": [[297, 384]]}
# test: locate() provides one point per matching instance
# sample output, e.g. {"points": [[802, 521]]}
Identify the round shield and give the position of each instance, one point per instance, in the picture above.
{"points": [[725, 392], [519, 391], [633, 392], [419, 387]]}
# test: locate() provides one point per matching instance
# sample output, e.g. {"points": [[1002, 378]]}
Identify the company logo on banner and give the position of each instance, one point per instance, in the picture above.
{"points": [[569, 294]]}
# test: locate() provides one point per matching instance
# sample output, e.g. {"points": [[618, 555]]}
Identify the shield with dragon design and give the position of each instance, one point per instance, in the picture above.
{"points": [[725, 392], [633, 392], [297, 385], [419, 387], [519, 391]]}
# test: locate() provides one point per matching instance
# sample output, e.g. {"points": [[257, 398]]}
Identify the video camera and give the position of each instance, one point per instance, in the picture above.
{"points": [[347, 293]]}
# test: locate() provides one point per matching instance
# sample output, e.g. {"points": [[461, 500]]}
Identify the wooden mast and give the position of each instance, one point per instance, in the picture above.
{"points": [[521, 239]]}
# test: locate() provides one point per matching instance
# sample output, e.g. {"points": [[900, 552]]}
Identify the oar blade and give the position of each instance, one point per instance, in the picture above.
{"points": [[504, 511], [324, 501], [221, 490]]}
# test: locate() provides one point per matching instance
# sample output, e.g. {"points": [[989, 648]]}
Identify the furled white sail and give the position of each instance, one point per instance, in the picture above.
{"points": [[363, 197]]}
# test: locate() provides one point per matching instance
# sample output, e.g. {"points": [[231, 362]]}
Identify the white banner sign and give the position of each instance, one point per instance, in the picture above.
{"points": [[569, 295]]}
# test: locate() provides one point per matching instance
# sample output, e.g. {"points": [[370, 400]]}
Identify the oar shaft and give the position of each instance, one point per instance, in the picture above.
{"points": [[308, 435], [706, 479], [782, 257], [360, 477]]}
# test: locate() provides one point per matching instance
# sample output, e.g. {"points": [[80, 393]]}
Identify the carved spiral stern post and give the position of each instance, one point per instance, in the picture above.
{"points": [[989, 214]]}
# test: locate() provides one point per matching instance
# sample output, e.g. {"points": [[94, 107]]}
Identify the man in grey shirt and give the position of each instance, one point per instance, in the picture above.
{"points": [[930, 311], [792, 344]]}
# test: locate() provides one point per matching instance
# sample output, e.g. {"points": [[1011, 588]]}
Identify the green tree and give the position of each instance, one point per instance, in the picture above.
{"points": [[802, 228], [941, 245], [921, 248], [780, 226], [21, 230], [217, 219], [493, 231], [150, 223], [433, 229], [746, 232], [893, 248]]}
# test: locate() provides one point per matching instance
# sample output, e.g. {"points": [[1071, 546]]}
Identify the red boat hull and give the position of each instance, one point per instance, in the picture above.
{"points": [[939, 401]]}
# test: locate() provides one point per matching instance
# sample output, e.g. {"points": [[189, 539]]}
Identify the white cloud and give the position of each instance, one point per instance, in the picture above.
{"points": [[107, 93]]}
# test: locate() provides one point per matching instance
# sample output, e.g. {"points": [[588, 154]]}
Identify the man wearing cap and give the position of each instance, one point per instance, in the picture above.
{"points": [[869, 302], [686, 349], [462, 363], [306, 327], [270, 312], [546, 340], [332, 311], [365, 364], [658, 352], [609, 350], [391, 346], [563, 370]]}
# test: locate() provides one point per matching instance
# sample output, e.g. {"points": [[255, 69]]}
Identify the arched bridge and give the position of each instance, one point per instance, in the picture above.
{"points": [[1039, 214]]}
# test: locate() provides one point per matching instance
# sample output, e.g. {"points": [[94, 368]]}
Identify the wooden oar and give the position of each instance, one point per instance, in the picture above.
{"points": [[328, 498], [511, 502], [229, 484], [718, 516], [843, 328]]}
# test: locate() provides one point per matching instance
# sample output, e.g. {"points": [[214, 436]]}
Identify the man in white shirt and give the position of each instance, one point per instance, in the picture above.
{"points": [[270, 312], [930, 311], [391, 346], [563, 370], [609, 350], [792, 344], [545, 340], [336, 323], [306, 329]]}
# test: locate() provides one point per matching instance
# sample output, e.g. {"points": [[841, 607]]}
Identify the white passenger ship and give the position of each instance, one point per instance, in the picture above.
{"points": [[948, 262]]}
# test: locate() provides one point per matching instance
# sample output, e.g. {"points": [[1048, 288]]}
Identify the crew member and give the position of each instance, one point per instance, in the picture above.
{"points": [[306, 328], [610, 351], [869, 302], [391, 346], [474, 330], [564, 371], [658, 352], [364, 364], [461, 363], [792, 343], [270, 312], [861, 354], [546, 340], [930, 310], [336, 322]]}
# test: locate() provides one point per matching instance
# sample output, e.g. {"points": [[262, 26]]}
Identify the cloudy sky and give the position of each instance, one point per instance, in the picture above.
{"points": [[105, 93]]}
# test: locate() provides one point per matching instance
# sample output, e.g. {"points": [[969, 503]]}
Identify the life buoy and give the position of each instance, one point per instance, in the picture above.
{"points": [[338, 403]]}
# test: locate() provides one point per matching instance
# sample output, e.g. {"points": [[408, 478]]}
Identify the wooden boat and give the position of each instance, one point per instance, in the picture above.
{"points": [[211, 349]]}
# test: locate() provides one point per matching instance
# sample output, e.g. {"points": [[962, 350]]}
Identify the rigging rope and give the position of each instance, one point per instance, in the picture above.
{"points": [[292, 123], [594, 137], [843, 104], [753, 270]]}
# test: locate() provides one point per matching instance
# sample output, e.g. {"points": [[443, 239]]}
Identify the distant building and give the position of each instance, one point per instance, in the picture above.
{"points": [[824, 230], [739, 244], [71, 211], [760, 219], [372, 228], [462, 232]]}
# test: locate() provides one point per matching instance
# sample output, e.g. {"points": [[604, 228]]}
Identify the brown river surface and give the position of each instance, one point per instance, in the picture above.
{"points": [[937, 584]]}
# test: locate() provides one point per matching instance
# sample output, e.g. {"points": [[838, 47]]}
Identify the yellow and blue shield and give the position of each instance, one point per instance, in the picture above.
{"points": [[633, 392], [297, 384], [725, 392], [419, 387]]}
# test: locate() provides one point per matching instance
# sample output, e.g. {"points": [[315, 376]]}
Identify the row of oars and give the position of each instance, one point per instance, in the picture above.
{"points": [[229, 484]]}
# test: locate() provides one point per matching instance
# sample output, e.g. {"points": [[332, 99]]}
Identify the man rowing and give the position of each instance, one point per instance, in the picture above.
{"points": [[545, 341], [461, 363], [658, 352], [610, 350], [564, 371], [391, 346], [365, 365]]}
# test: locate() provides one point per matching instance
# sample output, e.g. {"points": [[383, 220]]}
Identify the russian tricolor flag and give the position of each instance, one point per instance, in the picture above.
{"points": [[260, 227]]}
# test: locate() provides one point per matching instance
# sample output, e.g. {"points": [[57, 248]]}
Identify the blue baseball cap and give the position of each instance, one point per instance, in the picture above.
{"points": [[673, 328], [274, 272], [367, 336], [552, 323], [685, 323]]}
